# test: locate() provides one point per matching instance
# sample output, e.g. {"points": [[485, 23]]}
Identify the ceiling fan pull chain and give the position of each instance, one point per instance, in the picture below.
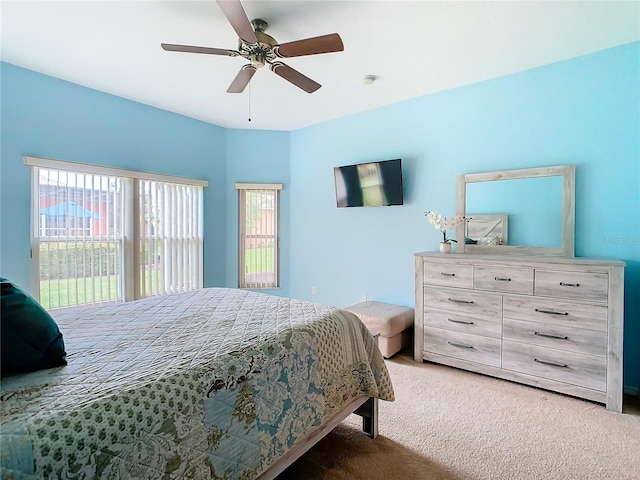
{"points": [[249, 108]]}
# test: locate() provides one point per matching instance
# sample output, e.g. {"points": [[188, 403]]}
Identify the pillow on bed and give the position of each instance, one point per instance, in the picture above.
{"points": [[30, 338]]}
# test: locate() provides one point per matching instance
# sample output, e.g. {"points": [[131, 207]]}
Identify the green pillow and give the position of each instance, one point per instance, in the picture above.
{"points": [[30, 338]]}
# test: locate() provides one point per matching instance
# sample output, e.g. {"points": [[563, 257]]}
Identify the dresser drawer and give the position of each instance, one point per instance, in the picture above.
{"points": [[556, 312], [587, 371], [562, 337], [577, 285], [473, 348], [465, 302], [448, 274], [503, 279], [487, 325]]}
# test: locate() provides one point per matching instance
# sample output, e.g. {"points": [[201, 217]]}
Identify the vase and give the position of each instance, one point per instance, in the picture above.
{"points": [[445, 247]]}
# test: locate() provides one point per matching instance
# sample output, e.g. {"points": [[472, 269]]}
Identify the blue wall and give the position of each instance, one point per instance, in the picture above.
{"points": [[255, 156], [585, 111], [46, 117]]}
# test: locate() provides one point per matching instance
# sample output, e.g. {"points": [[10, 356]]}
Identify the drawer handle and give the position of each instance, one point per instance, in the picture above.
{"points": [[465, 322], [502, 279], [461, 345], [553, 364], [459, 301], [552, 335], [447, 274], [563, 284], [551, 312]]}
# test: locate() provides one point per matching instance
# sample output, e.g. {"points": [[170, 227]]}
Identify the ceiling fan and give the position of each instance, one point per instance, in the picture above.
{"points": [[260, 49]]}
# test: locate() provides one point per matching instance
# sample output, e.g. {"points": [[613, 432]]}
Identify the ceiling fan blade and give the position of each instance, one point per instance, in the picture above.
{"points": [[238, 19], [242, 79], [170, 47], [295, 77], [310, 46]]}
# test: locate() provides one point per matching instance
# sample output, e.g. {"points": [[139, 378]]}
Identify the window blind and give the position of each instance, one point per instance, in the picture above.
{"points": [[104, 235], [258, 235], [171, 240], [79, 236]]}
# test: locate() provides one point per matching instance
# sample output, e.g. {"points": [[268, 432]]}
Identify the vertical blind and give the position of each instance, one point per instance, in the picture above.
{"points": [[79, 233], [258, 235], [104, 235], [171, 238]]}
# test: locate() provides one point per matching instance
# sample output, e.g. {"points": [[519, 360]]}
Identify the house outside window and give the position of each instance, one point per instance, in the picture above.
{"points": [[258, 235], [103, 235]]}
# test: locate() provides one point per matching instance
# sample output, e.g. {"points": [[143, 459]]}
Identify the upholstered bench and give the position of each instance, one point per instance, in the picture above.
{"points": [[393, 322]]}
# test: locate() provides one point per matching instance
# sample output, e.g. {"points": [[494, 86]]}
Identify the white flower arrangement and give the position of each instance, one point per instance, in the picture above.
{"points": [[444, 223]]}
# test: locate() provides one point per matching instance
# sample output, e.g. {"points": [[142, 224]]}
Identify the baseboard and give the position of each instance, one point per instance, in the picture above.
{"points": [[632, 391]]}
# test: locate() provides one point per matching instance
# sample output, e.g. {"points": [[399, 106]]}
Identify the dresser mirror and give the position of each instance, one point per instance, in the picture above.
{"points": [[528, 211]]}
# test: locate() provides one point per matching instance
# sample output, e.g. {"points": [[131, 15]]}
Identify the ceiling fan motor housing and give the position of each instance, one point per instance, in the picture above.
{"points": [[258, 53]]}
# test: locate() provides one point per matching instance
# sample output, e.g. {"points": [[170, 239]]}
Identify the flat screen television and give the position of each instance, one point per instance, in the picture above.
{"points": [[372, 184]]}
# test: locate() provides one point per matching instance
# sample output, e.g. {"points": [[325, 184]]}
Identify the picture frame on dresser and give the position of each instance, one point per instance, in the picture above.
{"points": [[486, 230]]}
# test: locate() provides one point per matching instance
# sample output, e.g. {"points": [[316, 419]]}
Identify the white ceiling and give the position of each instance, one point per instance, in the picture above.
{"points": [[413, 47]]}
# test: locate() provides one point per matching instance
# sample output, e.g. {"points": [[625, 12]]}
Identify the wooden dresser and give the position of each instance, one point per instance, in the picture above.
{"points": [[550, 322]]}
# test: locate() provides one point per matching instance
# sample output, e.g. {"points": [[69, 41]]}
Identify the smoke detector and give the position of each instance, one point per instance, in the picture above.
{"points": [[368, 79]]}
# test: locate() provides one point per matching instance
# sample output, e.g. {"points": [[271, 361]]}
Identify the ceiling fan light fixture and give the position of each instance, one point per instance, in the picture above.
{"points": [[257, 60]]}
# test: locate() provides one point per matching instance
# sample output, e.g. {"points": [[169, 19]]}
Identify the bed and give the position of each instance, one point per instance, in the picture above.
{"points": [[214, 383]]}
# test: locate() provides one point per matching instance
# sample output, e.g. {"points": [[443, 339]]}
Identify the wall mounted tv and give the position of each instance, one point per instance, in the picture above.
{"points": [[372, 184]]}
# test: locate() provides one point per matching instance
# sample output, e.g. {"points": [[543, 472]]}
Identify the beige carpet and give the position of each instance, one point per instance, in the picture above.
{"points": [[450, 424]]}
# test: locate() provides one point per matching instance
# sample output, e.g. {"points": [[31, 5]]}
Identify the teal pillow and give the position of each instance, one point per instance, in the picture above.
{"points": [[30, 338]]}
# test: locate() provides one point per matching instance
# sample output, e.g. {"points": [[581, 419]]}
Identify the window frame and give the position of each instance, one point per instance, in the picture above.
{"points": [[130, 281], [242, 189]]}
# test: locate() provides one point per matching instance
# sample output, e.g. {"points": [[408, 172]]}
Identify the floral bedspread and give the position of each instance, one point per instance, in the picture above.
{"points": [[215, 383]]}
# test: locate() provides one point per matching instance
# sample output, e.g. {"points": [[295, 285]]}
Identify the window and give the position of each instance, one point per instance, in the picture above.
{"points": [[170, 237], [103, 235], [259, 241], [79, 237]]}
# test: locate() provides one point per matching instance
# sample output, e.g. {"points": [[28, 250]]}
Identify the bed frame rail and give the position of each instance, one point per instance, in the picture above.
{"points": [[366, 407]]}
